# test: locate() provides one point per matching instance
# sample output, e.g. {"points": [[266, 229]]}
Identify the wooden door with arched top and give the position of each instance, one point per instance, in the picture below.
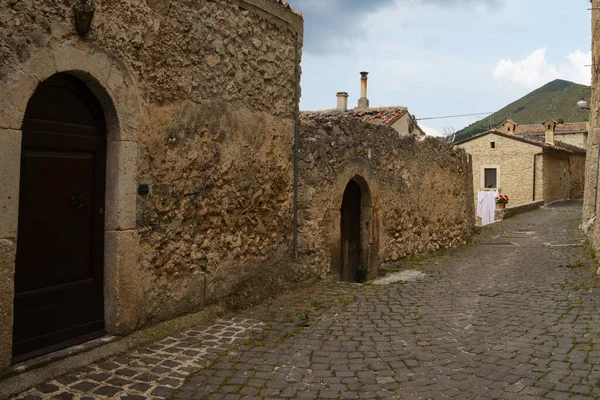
{"points": [[351, 233], [59, 266]]}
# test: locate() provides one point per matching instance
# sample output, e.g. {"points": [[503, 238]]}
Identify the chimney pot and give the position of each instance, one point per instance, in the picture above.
{"points": [[342, 101], [550, 126], [363, 102]]}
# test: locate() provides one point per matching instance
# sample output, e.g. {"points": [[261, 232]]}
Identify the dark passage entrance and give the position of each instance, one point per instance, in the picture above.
{"points": [[59, 267], [351, 270]]}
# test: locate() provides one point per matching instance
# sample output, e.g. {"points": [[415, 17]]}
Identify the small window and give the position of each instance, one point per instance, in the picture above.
{"points": [[490, 178], [493, 145]]}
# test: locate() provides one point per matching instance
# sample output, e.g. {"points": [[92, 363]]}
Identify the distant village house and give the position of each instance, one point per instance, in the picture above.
{"points": [[529, 163]]}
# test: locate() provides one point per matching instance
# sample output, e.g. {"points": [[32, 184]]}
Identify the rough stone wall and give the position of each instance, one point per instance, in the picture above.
{"points": [[217, 94], [590, 199], [420, 188], [514, 161]]}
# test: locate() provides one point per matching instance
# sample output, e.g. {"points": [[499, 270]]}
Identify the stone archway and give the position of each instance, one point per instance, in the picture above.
{"points": [[116, 91], [355, 241], [59, 298]]}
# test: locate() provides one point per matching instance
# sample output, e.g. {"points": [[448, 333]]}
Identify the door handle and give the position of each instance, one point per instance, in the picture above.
{"points": [[76, 202]]}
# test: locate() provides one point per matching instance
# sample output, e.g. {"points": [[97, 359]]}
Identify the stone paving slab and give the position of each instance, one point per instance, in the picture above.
{"points": [[519, 321], [152, 372]]}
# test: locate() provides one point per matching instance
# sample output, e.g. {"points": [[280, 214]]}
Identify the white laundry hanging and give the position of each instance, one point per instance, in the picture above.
{"points": [[486, 206]]}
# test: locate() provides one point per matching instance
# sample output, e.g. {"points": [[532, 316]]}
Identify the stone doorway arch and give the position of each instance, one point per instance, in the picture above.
{"points": [[59, 297], [355, 247], [116, 90], [351, 268]]}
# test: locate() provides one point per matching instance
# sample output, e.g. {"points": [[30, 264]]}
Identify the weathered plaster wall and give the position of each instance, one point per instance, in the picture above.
{"points": [[590, 199], [514, 161], [559, 167], [556, 176], [420, 189], [576, 176], [200, 101], [574, 139]]}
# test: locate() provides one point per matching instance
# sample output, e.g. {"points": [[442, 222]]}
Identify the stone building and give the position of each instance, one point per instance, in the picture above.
{"points": [[369, 195], [527, 162], [145, 167], [592, 166]]}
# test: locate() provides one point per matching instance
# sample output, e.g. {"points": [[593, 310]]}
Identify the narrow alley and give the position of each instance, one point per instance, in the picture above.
{"points": [[513, 315]]}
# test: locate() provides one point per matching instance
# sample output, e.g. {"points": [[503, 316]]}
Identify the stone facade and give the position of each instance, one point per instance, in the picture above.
{"points": [[592, 165], [199, 100], [515, 161], [415, 191]]}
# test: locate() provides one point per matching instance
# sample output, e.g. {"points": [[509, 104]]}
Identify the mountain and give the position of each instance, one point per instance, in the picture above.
{"points": [[556, 99]]}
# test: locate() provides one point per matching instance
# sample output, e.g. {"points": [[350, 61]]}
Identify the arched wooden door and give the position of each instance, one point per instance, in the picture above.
{"points": [[59, 267], [350, 233]]}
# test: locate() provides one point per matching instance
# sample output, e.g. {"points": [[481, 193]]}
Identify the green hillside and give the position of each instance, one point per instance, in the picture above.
{"points": [[556, 99]]}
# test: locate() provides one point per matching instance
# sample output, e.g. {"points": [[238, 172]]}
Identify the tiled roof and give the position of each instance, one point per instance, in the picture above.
{"points": [[384, 116], [534, 139], [377, 116], [561, 129]]}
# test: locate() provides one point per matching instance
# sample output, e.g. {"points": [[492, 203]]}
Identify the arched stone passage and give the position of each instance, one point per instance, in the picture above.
{"points": [[351, 268], [355, 243]]}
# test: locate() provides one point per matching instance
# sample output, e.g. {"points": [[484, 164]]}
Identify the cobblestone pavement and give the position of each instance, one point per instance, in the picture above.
{"points": [[513, 316]]}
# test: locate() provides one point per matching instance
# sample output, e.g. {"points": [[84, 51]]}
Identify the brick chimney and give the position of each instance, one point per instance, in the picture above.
{"points": [[342, 101], [363, 102], [550, 126]]}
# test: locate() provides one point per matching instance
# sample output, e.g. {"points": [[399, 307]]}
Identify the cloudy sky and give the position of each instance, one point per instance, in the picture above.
{"points": [[441, 57]]}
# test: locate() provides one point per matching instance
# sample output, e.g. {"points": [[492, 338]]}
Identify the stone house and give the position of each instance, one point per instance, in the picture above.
{"points": [[145, 167], [396, 117], [527, 162]]}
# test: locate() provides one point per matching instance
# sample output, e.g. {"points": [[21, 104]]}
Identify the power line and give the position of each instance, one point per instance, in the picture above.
{"points": [[455, 116]]}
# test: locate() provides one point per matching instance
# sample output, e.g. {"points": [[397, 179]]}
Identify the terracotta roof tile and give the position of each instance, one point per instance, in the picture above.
{"points": [[561, 129], [384, 116]]}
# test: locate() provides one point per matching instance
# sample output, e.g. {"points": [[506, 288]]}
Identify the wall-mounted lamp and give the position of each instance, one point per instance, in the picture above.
{"points": [[84, 12], [582, 104]]}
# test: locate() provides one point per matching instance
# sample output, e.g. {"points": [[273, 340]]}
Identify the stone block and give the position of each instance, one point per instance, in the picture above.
{"points": [[121, 168], [69, 58], [16, 90], [123, 282], [10, 167], [7, 285]]}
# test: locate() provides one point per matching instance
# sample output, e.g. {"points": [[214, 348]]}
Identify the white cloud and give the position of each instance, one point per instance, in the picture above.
{"points": [[535, 70], [430, 131]]}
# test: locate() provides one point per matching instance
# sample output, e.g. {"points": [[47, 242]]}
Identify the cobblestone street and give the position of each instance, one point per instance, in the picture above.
{"points": [[515, 315]]}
